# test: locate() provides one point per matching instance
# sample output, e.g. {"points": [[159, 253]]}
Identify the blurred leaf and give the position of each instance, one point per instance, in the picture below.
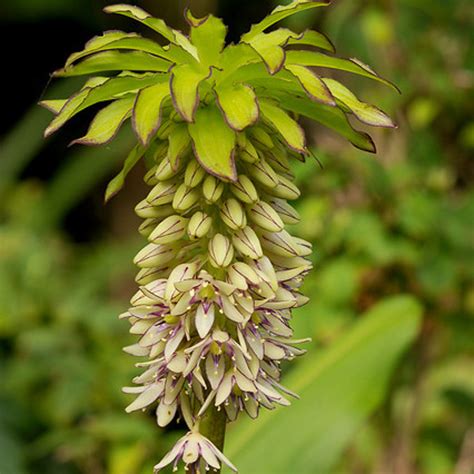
{"points": [[338, 390]]}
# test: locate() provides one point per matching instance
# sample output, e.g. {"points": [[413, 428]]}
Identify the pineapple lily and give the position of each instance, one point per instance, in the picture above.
{"points": [[220, 275]]}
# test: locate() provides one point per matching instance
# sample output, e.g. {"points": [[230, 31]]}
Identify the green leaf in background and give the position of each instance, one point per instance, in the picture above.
{"points": [[339, 389], [214, 143], [313, 38], [118, 182]]}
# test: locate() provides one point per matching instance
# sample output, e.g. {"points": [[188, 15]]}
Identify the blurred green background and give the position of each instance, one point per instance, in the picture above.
{"points": [[383, 390]]}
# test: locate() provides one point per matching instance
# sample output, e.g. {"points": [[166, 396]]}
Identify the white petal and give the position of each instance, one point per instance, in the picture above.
{"points": [[173, 344], [165, 413], [145, 398], [204, 321], [214, 373], [191, 451], [224, 389], [209, 456], [222, 457], [244, 383], [230, 311], [171, 456], [178, 362]]}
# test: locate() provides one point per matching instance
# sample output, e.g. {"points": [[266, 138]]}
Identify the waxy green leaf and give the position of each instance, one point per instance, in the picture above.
{"points": [[239, 105], [118, 182], [179, 142], [330, 117], [107, 122], [208, 35], [366, 113], [288, 128], [140, 15], [54, 105], [100, 90], [146, 118], [270, 47], [115, 61], [129, 42], [312, 84], [313, 38], [184, 86], [280, 13], [156, 24], [233, 58], [315, 59], [214, 143]]}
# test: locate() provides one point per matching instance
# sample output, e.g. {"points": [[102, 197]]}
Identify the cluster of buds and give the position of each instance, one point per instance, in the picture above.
{"points": [[220, 275], [218, 279]]}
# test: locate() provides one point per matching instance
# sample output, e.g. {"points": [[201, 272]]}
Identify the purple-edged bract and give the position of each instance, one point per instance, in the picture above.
{"points": [[220, 275]]}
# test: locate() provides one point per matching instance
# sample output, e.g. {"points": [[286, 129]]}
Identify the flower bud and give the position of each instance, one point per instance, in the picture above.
{"points": [[194, 174], [199, 225], [154, 255], [261, 137], [148, 275], [285, 189], [185, 198], [147, 227], [240, 274], [146, 210], [264, 174], [278, 160], [221, 251], [266, 217], [233, 214], [162, 193], [247, 150], [170, 230], [164, 171], [150, 178], [164, 130], [247, 243], [305, 247], [244, 190], [285, 211], [212, 189], [280, 243]]}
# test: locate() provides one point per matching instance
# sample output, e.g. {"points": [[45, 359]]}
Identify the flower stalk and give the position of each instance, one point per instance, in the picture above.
{"points": [[220, 274]]}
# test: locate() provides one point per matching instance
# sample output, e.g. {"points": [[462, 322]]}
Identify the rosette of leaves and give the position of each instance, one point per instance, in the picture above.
{"points": [[221, 274]]}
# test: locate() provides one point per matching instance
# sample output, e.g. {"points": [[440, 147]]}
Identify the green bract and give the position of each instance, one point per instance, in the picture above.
{"points": [[220, 275], [225, 90]]}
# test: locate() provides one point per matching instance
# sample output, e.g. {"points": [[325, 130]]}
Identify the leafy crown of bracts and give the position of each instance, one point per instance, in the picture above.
{"points": [[211, 93], [220, 275]]}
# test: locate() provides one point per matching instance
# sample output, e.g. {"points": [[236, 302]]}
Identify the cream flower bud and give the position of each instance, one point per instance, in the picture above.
{"points": [[150, 177], [240, 274], [278, 160], [194, 174], [247, 150], [264, 174], [247, 243], [244, 190], [305, 247], [146, 210], [285, 189], [162, 193], [149, 275], [221, 251], [266, 217], [147, 227], [199, 225], [262, 137], [280, 243], [164, 170], [170, 230], [212, 189], [233, 214], [154, 255], [286, 212], [185, 198]]}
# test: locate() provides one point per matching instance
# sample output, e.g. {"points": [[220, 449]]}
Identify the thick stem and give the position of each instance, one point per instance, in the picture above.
{"points": [[212, 426]]}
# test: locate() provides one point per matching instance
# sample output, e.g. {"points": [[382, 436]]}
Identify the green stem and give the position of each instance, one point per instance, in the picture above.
{"points": [[213, 425]]}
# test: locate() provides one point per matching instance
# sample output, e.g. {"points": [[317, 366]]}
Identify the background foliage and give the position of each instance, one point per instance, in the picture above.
{"points": [[383, 391]]}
